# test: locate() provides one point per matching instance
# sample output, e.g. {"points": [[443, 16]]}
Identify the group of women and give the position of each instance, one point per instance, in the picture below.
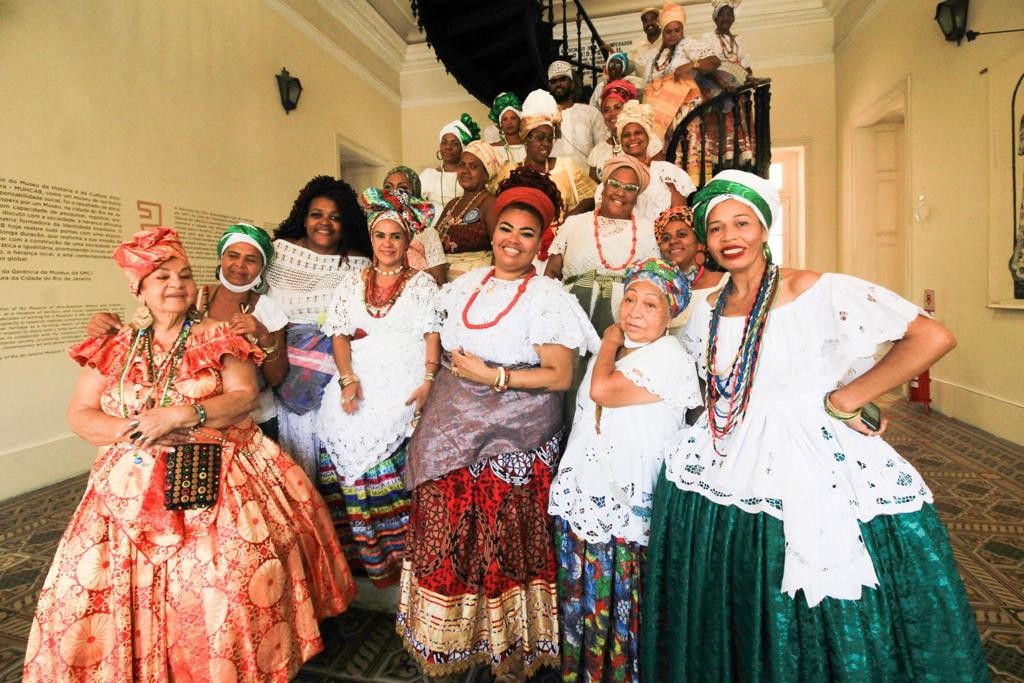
{"points": [[586, 427]]}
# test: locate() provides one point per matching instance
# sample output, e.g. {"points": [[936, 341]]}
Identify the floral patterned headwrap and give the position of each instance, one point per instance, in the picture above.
{"points": [[145, 251], [672, 213], [665, 277], [413, 214]]}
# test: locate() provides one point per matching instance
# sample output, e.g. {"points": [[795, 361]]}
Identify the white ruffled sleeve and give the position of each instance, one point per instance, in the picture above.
{"points": [[694, 335], [666, 370], [670, 174], [425, 292], [556, 318], [561, 240], [339, 319], [863, 317], [270, 313]]}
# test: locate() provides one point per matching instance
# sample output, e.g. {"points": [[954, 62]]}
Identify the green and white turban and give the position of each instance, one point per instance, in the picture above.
{"points": [[504, 102], [249, 234], [754, 191], [464, 128]]}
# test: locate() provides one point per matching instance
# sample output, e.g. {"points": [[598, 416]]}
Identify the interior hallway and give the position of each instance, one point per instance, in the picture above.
{"points": [[977, 478]]}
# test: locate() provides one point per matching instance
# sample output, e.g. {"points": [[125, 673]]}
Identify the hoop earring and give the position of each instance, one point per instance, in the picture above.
{"points": [[767, 251], [143, 317], [438, 155]]}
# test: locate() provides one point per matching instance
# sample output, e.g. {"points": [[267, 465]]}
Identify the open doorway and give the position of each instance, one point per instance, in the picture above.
{"points": [[359, 167], [786, 238]]}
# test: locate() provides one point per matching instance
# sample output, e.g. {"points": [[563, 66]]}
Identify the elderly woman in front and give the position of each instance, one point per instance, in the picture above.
{"points": [[211, 561], [788, 541], [386, 348], [478, 581], [630, 404]]}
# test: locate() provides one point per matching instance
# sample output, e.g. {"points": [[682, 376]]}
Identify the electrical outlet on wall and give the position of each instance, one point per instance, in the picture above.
{"points": [[929, 300]]}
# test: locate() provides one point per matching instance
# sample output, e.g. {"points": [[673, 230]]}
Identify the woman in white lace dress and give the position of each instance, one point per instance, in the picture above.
{"points": [[478, 580], [323, 236], [386, 348], [788, 541], [630, 405]]}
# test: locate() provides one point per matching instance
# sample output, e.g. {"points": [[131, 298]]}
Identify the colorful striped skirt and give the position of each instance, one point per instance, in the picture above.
{"points": [[370, 515], [599, 605], [478, 581]]}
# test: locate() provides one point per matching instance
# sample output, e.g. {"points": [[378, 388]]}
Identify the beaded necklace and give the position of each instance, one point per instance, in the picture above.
{"points": [[379, 301], [467, 204], [600, 251], [735, 385], [168, 369], [511, 305]]}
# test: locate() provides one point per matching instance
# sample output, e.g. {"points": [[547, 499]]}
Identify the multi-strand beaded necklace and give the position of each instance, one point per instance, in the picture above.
{"points": [[733, 387], [166, 371]]}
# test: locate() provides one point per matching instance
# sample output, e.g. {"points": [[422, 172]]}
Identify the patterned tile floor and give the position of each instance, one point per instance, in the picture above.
{"points": [[978, 482]]}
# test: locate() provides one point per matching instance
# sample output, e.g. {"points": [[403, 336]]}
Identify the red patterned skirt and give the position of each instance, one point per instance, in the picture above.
{"points": [[478, 579]]}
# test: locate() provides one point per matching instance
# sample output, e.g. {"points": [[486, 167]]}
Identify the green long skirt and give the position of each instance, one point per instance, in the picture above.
{"points": [[712, 607]]}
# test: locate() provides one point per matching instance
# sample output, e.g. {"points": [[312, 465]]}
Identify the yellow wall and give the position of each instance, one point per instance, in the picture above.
{"points": [[176, 105], [949, 139]]}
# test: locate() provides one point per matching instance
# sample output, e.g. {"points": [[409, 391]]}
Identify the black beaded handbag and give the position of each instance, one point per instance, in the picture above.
{"points": [[193, 476]]}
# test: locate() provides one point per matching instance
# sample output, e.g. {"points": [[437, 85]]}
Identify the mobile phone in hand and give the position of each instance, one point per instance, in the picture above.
{"points": [[871, 416]]}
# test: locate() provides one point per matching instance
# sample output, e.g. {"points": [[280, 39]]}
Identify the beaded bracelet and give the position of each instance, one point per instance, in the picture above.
{"points": [[346, 380], [838, 414], [200, 414]]}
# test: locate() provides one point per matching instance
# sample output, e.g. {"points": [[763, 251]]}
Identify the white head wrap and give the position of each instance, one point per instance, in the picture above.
{"points": [[557, 69], [763, 187], [539, 108], [717, 5], [459, 130]]}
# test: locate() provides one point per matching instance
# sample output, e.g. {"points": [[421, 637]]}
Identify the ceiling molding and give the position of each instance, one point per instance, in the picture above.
{"points": [[450, 97], [342, 56], [420, 58], [866, 14], [370, 28]]}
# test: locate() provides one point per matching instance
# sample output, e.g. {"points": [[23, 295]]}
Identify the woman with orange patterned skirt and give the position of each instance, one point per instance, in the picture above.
{"points": [[478, 580], [150, 583]]}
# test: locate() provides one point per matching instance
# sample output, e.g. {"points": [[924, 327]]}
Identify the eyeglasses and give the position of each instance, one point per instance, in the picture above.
{"points": [[632, 188]]}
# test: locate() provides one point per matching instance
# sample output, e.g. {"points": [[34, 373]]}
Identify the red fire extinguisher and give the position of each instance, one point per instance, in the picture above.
{"points": [[921, 391]]}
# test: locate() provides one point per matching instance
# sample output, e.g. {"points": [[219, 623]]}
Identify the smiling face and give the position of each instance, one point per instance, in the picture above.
{"points": [[644, 313], [241, 263], [615, 70], [561, 88], [610, 109], [398, 182], [389, 241], [516, 241], [724, 19], [620, 192], [539, 143], [649, 20], [509, 123], [472, 173], [678, 244], [634, 140], [672, 34], [450, 149], [170, 289], [735, 236], [323, 226]]}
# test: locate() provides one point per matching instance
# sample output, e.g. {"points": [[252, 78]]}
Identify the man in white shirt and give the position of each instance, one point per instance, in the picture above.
{"points": [[643, 49], [582, 125]]}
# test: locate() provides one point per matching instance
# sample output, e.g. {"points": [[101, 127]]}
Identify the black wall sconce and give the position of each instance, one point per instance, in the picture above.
{"points": [[951, 15], [290, 89]]}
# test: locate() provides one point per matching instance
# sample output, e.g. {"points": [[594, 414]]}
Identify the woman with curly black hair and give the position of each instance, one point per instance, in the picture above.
{"points": [[323, 237], [478, 578]]}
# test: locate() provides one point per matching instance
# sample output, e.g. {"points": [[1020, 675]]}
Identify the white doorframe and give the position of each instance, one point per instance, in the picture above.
{"points": [[792, 159]]}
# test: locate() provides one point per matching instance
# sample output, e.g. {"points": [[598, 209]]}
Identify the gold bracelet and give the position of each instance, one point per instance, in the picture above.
{"points": [[501, 381], [429, 377], [839, 414], [268, 349], [347, 380], [434, 362]]}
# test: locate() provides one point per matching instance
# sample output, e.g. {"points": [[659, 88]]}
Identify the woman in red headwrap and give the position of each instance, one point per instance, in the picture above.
{"points": [[213, 560], [614, 96], [478, 580]]}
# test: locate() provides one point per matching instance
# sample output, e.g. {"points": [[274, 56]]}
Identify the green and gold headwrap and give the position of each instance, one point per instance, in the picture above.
{"points": [[754, 191], [505, 100], [243, 232], [412, 176]]}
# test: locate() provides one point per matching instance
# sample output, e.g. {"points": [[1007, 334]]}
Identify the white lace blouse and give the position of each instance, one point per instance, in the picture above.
{"points": [[303, 281], [544, 314]]}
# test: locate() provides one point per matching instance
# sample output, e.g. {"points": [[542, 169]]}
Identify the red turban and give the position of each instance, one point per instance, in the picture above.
{"points": [[530, 196], [144, 253], [621, 90]]}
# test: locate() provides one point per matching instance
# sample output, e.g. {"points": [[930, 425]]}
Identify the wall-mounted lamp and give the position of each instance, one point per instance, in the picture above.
{"points": [[290, 89], [951, 15]]}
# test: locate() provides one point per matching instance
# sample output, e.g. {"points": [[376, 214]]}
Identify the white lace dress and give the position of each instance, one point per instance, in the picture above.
{"points": [[389, 361], [439, 187], [605, 482], [788, 458], [545, 314]]}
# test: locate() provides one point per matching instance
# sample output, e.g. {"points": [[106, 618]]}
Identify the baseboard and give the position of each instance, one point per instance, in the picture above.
{"points": [[997, 415], [42, 464]]}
